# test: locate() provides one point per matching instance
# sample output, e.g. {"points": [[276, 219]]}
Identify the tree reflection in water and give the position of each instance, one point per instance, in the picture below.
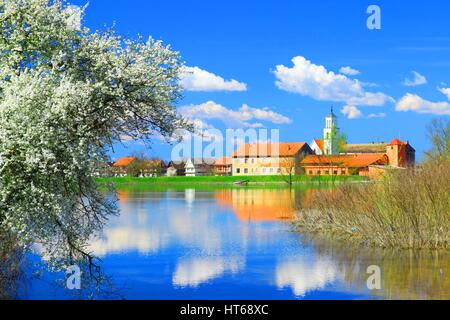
{"points": [[405, 274], [11, 258], [66, 247]]}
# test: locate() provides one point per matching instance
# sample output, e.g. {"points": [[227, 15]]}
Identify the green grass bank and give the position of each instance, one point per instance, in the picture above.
{"points": [[227, 181]]}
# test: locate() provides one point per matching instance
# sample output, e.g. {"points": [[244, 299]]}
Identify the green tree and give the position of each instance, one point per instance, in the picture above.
{"points": [[339, 141]]}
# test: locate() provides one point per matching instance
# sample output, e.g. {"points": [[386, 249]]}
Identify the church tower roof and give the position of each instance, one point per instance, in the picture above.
{"points": [[332, 114]]}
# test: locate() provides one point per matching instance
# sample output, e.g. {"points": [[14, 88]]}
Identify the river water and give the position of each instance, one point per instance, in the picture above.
{"points": [[240, 244]]}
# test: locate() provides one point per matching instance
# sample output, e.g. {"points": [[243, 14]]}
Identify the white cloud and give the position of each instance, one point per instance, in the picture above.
{"points": [[377, 115], [349, 71], [413, 102], [445, 91], [196, 79], [417, 81], [315, 81], [239, 118], [351, 112]]}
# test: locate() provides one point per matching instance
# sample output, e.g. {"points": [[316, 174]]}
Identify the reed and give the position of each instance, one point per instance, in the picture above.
{"points": [[407, 208]]}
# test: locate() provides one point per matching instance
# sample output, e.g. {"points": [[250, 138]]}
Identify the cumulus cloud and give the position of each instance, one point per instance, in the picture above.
{"points": [[349, 71], [445, 91], [416, 81], [196, 79], [317, 82], [351, 112], [239, 118], [413, 102]]}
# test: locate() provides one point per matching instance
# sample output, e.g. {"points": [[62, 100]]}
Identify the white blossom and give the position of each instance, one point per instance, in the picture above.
{"points": [[67, 94]]}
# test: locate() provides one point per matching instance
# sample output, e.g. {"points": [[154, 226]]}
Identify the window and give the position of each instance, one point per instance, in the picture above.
{"points": [[246, 170], [310, 172], [327, 172], [319, 172], [279, 170], [271, 170], [246, 160], [238, 170], [335, 172], [253, 160]]}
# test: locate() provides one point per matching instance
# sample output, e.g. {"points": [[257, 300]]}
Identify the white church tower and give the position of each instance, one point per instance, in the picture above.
{"points": [[329, 137]]}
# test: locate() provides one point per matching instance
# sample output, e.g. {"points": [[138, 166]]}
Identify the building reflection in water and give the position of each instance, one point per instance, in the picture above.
{"points": [[260, 204]]}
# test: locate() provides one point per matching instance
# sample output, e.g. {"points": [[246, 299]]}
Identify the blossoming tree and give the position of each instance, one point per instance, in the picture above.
{"points": [[66, 95]]}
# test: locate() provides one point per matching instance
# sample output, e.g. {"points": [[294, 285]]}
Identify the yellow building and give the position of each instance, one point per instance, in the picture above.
{"points": [[260, 159]]}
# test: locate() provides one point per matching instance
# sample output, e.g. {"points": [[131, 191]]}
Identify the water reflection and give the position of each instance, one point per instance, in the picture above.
{"points": [[303, 276], [260, 204], [406, 274], [194, 271], [239, 244]]}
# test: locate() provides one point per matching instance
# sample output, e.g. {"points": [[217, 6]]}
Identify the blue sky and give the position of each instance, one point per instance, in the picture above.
{"points": [[255, 42]]}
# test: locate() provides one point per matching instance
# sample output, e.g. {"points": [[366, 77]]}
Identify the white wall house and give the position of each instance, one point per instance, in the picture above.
{"points": [[317, 147], [172, 172], [197, 168]]}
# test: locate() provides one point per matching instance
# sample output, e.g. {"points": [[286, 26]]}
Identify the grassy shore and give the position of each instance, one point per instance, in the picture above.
{"points": [[407, 209], [227, 181]]}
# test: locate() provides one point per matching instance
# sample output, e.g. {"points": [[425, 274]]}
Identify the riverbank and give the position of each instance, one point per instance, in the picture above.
{"points": [[227, 180]]}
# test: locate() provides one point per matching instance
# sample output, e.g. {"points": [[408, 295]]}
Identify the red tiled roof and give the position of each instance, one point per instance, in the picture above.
{"points": [[225, 161], [285, 149], [124, 162], [349, 161], [319, 143], [396, 142]]}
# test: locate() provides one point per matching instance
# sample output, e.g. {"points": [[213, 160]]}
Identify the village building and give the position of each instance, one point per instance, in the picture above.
{"points": [[327, 156], [364, 159], [401, 154], [269, 158], [223, 166], [198, 167], [138, 167], [120, 167], [317, 146], [152, 168], [352, 164], [103, 169], [176, 168], [361, 160]]}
